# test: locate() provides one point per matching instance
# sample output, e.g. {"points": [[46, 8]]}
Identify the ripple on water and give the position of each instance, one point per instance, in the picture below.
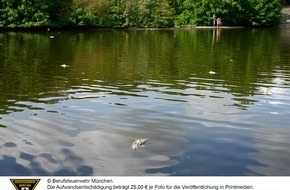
{"points": [[81, 120]]}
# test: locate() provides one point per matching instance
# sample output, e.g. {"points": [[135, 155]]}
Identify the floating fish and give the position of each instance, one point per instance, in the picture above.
{"points": [[212, 72], [64, 66], [139, 142]]}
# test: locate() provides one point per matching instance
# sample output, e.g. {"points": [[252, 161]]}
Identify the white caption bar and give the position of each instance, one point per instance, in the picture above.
{"points": [[146, 183]]}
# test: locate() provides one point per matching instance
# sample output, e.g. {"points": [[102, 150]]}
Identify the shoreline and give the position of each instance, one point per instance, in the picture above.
{"points": [[221, 27], [50, 29]]}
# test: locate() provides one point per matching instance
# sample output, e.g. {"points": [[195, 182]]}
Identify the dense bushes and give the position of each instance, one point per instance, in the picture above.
{"points": [[125, 13], [200, 12], [22, 14], [232, 12], [262, 12], [34, 13], [137, 13]]}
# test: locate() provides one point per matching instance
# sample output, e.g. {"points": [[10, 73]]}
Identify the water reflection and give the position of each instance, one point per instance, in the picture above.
{"points": [[81, 119]]}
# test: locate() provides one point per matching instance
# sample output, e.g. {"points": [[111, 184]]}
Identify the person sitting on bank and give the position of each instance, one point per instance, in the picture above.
{"points": [[219, 21]]}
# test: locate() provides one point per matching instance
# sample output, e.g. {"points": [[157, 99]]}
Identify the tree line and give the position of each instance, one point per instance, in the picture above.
{"points": [[137, 13]]}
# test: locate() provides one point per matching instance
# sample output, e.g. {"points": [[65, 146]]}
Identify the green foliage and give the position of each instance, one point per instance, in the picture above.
{"points": [[155, 13], [137, 13], [22, 13], [140, 13], [89, 13], [232, 12], [80, 17], [33, 13], [263, 12]]}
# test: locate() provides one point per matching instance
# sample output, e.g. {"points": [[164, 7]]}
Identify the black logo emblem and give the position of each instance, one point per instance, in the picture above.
{"points": [[25, 184]]}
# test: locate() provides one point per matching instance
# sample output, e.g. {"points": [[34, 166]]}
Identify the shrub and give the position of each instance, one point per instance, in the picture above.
{"points": [[232, 12]]}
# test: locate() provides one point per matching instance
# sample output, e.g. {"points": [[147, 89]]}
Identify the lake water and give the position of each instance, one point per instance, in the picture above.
{"points": [[115, 85]]}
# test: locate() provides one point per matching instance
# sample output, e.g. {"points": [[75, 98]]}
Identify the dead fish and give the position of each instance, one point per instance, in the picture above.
{"points": [[64, 66], [139, 142]]}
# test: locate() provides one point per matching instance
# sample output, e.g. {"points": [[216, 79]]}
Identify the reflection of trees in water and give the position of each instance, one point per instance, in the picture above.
{"points": [[167, 65], [30, 61], [28, 68], [239, 59]]}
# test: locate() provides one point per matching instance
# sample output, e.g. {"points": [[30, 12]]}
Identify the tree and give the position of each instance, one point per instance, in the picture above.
{"points": [[262, 12], [200, 12], [22, 13], [34, 13], [232, 12], [58, 10], [156, 13], [139, 13]]}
